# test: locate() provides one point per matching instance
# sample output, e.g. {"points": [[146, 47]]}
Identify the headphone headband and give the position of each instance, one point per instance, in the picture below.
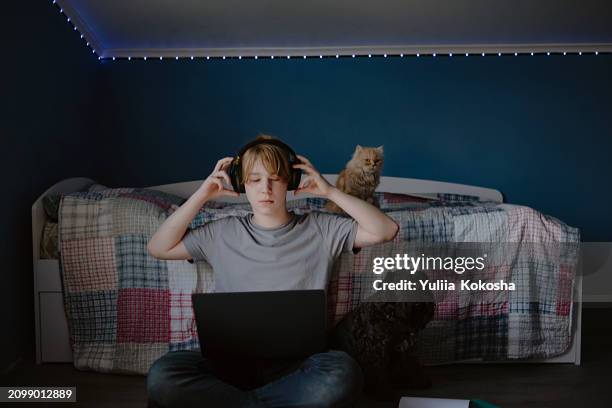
{"points": [[235, 169]]}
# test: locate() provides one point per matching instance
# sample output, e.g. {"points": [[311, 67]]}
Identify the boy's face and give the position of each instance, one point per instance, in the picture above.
{"points": [[266, 192]]}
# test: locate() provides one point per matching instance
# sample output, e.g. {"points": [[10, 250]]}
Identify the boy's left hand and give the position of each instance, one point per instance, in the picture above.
{"points": [[313, 183]]}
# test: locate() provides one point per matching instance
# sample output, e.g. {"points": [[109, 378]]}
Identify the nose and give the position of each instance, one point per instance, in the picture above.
{"points": [[267, 185]]}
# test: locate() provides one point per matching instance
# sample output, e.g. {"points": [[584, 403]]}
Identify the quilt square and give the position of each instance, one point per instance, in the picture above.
{"points": [[566, 287], [131, 216], [528, 225], [487, 227], [190, 344], [92, 316], [537, 287], [143, 316], [182, 320], [482, 336], [94, 356], [159, 198], [138, 358], [136, 267], [534, 335], [486, 302], [182, 276], [89, 264], [85, 218], [205, 278], [430, 225]]}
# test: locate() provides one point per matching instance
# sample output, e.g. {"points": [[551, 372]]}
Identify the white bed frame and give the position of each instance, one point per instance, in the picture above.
{"points": [[52, 344]]}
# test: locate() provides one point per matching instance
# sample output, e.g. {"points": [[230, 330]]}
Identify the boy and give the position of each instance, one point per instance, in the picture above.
{"points": [[270, 249]]}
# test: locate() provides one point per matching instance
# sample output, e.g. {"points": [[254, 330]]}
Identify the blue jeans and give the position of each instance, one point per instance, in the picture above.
{"points": [[186, 379]]}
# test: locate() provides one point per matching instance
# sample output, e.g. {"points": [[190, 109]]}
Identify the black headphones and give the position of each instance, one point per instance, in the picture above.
{"points": [[235, 168]]}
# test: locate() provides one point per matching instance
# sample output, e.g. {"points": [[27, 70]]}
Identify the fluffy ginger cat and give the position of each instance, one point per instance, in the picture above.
{"points": [[361, 175]]}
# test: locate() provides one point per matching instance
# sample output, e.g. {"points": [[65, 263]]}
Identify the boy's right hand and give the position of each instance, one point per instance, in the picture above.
{"points": [[213, 185]]}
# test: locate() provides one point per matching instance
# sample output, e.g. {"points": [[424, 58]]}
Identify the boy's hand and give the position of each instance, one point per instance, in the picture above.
{"points": [[213, 185], [313, 183]]}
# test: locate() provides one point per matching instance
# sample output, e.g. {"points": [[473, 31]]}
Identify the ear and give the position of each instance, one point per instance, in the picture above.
{"points": [[358, 148], [380, 148]]}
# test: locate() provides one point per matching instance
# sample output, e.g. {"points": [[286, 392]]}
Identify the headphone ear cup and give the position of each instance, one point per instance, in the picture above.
{"points": [[295, 174], [296, 178], [234, 174]]}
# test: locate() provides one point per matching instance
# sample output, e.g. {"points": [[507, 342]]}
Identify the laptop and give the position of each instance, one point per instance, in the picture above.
{"points": [[261, 325]]}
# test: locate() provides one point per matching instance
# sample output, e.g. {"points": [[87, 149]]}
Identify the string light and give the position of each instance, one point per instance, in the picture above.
{"points": [[385, 55]]}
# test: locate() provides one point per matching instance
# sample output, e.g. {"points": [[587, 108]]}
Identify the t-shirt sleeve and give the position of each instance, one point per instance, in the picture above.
{"points": [[338, 232], [199, 241]]}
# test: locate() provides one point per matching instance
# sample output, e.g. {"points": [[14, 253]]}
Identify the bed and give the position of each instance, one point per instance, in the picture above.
{"points": [[53, 340]]}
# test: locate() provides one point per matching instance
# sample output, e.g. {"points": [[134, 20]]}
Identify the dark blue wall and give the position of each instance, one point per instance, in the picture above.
{"points": [[49, 126], [537, 128]]}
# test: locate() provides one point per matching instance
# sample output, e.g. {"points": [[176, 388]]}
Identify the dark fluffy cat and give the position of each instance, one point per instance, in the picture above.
{"points": [[381, 336]]}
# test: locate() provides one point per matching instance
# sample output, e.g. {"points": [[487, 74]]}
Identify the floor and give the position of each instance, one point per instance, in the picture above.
{"points": [[507, 385]]}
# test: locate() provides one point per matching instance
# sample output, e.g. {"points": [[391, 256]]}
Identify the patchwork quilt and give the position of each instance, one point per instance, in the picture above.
{"points": [[126, 308]]}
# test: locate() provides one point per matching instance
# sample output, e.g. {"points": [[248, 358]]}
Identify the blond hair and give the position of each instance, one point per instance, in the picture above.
{"points": [[273, 159]]}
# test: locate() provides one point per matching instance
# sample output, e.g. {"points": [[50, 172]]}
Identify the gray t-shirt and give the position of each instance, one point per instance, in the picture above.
{"points": [[247, 257]]}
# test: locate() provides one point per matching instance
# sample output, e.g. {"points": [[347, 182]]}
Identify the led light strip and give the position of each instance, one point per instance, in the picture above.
{"points": [[336, 55], [419, 55]]}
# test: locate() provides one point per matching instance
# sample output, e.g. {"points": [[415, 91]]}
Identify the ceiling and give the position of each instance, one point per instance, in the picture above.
{"points": [[169, 28]]}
